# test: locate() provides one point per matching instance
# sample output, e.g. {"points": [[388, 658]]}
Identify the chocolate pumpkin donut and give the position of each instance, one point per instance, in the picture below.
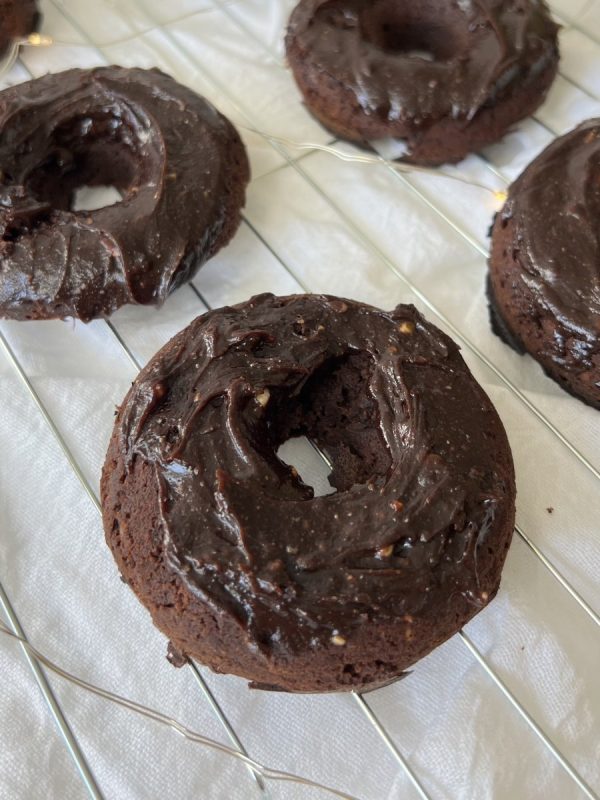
{"points": [[544, 279], [179, 165], [18, 18], [226, 546], [446, 76]]}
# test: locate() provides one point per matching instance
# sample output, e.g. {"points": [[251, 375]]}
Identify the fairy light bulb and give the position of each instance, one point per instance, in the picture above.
{"points": [[38, 40]]}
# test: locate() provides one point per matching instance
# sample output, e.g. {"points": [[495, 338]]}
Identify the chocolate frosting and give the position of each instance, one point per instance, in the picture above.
{"points": [[167, 150], [17, 18], [555, 209], [425, 61], [408, 528]]}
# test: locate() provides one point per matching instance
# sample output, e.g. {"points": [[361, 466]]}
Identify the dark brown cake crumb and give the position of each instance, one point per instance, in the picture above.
{"points": [[175, 656]]}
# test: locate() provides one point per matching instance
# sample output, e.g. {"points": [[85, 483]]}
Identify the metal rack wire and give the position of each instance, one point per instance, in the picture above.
{"points": [[405, 183]]}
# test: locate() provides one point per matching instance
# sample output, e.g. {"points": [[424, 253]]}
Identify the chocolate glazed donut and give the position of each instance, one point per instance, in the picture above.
{"points": [[544, 281], [446, 76], [237, 561], [17, 18], [179, 165]]}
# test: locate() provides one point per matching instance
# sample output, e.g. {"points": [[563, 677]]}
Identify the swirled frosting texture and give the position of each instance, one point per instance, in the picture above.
{"points": [[178, 163], [555, 209], [424, 508]]}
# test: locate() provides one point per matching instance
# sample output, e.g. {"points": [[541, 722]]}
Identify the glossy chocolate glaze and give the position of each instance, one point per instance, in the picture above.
{"points": [[167, 150], [554, 207], [425, 486], [426, 61], [17, 18]]}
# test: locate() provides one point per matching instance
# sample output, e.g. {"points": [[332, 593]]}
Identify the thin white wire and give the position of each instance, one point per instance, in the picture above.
{"points": [[152, 714], [372, 160]]}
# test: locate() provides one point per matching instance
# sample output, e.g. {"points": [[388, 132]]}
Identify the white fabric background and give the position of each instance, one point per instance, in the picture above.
{"points": [[346, 229]]}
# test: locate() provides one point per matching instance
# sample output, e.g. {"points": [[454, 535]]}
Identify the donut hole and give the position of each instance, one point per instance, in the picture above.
{"points": [[310, 464], [411, 29], [91, 198], [337, 412], [90, 162]]}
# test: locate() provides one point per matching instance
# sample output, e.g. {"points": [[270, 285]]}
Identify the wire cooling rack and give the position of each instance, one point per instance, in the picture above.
{"points": [[518, 688]]}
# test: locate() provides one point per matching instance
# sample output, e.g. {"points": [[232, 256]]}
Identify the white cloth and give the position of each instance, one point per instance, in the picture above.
{"points": [[459, 733]]}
